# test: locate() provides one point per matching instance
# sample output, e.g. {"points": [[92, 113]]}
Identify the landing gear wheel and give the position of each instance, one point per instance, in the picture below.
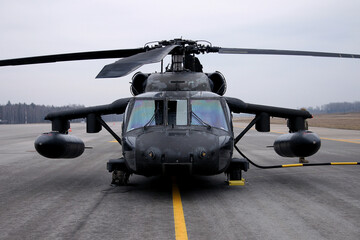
{"points": [[234, 171], [120, 178], [234, 178], [235, 174]]}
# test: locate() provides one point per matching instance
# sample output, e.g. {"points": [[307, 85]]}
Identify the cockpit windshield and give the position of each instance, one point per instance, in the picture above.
{"points": [[208, 112], [146, 113], [200, 112]]}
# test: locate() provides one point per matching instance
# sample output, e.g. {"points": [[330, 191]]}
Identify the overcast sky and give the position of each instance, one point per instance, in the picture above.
{"points": [[40, 27]]}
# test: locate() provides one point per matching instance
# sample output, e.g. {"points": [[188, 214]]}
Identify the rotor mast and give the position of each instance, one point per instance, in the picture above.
{"points": [[183, 56], [177, 62]]}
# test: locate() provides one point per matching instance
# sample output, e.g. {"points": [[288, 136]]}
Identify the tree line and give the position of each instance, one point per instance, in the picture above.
{"points": [[21, 113], [337, 107]]}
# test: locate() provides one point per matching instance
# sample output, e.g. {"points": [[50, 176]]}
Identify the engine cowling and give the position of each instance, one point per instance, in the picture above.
{"points": [[58, 145], [298, 144], [138, 83], [217, 83]]}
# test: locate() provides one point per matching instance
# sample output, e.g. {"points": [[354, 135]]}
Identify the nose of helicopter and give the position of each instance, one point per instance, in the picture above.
{"points": [[177, 151]]}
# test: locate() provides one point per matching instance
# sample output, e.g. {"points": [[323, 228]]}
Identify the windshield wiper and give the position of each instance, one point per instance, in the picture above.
{"points": [[151, 120], [200, 120]]}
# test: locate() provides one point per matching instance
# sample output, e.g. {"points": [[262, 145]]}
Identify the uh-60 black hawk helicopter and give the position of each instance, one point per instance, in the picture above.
{"points": [[179, 121]]}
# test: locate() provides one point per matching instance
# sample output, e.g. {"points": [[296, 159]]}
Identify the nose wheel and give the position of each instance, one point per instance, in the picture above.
{"points": [[234, 178], [120, 178], [120, 173], [234, 172]]}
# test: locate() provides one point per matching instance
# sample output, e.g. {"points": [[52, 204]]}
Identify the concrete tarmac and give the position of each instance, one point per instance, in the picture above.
{"points": [[72, 198]]}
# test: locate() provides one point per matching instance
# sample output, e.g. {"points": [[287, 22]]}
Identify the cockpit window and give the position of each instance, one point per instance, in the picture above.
{"points": [[177, 112], [208, 112], [203, 112], [146, 113]]}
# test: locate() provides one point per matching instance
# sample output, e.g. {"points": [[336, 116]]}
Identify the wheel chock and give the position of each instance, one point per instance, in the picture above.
{"points": [[236, 182]]}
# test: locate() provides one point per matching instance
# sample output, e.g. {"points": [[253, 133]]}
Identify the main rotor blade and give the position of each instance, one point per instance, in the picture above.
{"points": [[284, 52], [125, 66], [121, 53]]}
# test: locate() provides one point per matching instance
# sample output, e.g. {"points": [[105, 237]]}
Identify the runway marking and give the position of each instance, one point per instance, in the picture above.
{"points": [[277, 132], [179, 219], [356, 141]]}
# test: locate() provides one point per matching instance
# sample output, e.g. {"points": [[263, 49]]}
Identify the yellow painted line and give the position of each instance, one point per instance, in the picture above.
{"points": [[179, 219], [344, 163], [342, 140], [293, 165], [113, 141], [356, 141], [277, 132]]}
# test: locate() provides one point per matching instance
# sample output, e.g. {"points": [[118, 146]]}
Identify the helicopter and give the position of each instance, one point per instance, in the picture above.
{"points": [[178, 121]]}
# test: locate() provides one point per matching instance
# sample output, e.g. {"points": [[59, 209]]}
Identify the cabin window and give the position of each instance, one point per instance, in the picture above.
{"points": [[208, 112], [146, 113], [177, 112]]}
